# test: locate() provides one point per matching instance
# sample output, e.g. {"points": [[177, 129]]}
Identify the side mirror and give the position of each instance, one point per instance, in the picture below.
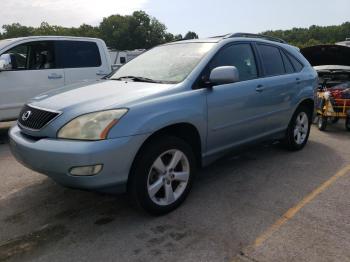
{"points": [[5, 62], [224, 75]]}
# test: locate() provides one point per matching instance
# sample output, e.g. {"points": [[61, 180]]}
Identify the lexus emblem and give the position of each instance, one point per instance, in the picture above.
{"points": [[26, 115]]}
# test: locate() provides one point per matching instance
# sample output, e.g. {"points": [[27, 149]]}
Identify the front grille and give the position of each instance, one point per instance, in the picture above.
{"points": [[35, 118]]}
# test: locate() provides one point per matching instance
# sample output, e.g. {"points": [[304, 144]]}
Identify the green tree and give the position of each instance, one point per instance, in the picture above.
{"points": [[136, 31], [313, 35], [16, 30], [191, 35]]}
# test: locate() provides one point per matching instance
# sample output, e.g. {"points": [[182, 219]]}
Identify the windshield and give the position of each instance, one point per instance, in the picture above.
{"points": [[4, 43], [165, 64]]}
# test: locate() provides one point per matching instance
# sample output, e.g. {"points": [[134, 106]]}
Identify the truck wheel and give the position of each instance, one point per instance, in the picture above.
{"points": [[298, 130], [162, 175], [347, 124], [322, 123]]}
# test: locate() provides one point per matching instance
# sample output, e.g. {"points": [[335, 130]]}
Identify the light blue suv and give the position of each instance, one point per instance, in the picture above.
{"points": [[150, 125]]}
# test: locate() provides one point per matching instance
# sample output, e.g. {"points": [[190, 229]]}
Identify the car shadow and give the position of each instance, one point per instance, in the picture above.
{"points": [[232, 202], [4, 128]]}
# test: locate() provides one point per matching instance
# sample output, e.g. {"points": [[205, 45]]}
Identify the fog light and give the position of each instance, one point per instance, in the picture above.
{"points": [[86, 170]]}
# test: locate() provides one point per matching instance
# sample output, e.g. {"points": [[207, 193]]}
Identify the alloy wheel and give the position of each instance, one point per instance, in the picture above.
{"points": [[301, 128], [168, 177]]}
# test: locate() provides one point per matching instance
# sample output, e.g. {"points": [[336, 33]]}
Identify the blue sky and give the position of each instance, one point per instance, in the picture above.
{"points": [[206, 17]]}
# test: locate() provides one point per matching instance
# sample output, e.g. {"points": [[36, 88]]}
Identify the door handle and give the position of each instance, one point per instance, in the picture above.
{"points": [[55, 76], [260, 88], [298, 81]]}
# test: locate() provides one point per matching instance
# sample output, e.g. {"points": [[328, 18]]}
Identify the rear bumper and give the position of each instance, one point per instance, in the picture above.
{"points": [[56, 157]]}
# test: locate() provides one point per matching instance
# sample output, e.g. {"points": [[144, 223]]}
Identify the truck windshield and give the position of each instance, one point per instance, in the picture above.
{"points": [[164, 64], [4, 43]]}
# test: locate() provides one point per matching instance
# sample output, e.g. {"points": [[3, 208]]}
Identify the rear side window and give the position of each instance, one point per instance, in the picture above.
{"points": [[297, 65], [271, 60], [239, 55], [77, 54], [287, 64]]}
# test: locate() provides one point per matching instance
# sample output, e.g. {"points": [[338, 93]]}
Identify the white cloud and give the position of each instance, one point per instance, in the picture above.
{"points": [[64, 12]]}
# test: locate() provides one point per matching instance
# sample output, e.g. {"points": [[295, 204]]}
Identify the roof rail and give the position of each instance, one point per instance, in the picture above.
{"points": [[220, 36], [270, 38]]}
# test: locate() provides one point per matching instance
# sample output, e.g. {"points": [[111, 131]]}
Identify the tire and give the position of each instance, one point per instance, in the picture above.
{"points": [[153, 185], [347, 123], [322, 123], [298, 130], [335, 120]]}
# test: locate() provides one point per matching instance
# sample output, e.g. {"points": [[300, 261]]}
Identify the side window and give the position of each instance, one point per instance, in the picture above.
{"points": [[33, 56], [239, 55], [19, 55], [271, 60], [41, 55], [287, 64], [78, 54], [297, 65]]}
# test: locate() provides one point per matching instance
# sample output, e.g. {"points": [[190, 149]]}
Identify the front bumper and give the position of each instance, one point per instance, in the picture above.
{"points": [[56, 157]]}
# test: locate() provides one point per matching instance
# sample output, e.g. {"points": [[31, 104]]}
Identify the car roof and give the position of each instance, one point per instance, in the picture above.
{"points": [[48, 37]]}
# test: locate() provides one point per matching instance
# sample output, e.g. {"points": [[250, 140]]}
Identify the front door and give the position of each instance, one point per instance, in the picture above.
{"points": [[236, 112], [33, 72]]}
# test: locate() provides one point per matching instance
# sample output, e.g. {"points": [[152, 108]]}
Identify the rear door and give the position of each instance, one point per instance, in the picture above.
{"points": [[81, 60], [34, 71], [280, 84]]}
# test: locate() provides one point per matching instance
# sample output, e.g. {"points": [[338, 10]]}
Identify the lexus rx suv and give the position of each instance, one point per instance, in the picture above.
{"points": [[149, 126]]}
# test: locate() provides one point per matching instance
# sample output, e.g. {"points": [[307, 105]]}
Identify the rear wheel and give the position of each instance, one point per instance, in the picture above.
{"points": [[162, 175], [335, 120], [347, 123], [322, 123], [298, 130]]}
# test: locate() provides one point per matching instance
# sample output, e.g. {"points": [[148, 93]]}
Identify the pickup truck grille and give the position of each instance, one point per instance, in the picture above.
{"points": [[35, 118]]}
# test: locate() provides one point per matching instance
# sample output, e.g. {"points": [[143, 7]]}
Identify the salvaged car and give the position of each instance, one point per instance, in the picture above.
{"points": [[332, 63]]}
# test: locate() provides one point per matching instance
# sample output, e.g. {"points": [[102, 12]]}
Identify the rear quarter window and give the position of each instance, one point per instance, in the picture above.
{"points": [[298, 66], [288, 64], [77, 54]]}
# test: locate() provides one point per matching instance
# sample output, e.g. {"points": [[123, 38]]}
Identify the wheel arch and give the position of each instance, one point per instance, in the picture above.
{"points": [[309, 103], [185, 131]]}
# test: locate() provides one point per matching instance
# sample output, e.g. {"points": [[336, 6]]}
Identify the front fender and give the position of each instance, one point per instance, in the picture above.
{"points": [[150, 116]]}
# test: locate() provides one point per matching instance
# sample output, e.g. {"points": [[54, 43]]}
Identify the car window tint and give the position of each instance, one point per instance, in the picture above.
{"points": [[287, 64], [271, 60], [297, 65], [78, 54], [41, 55], [239, 55], [36, 55]]}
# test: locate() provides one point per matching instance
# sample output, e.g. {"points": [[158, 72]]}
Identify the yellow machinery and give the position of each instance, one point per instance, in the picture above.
{"points": [[331, 109]]}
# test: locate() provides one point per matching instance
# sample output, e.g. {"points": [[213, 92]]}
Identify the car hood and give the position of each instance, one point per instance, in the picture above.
{"points": [[99, 95], [326, 55]]}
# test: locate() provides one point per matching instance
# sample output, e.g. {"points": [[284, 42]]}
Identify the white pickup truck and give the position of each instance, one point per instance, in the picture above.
{"points": [[33, 65]]}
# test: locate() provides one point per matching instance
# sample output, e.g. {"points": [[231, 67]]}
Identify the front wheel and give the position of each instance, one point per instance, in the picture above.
{"points": [[298, 130], [162, 175]]}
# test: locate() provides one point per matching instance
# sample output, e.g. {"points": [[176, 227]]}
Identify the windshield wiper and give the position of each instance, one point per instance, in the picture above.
{"points": [[137, 79]]}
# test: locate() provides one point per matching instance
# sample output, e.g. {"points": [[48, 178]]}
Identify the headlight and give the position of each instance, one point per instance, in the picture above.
{"points": [[93, 126]]}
